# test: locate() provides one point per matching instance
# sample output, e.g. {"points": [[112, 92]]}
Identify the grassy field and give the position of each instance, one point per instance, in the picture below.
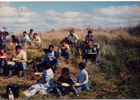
{"points": [[115, 76]]}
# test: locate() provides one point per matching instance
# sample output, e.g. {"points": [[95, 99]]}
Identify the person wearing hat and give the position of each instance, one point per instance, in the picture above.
{"points": [[90, 53], [89, 37], [64, 84], [25, 38], [31, 34]]}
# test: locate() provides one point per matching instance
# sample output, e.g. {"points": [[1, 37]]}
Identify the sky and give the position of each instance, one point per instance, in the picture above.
{"points": [[44, 16]]}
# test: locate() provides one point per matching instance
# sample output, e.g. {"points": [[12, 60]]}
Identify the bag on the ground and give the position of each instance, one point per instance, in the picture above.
{"points": [[15, 90]]}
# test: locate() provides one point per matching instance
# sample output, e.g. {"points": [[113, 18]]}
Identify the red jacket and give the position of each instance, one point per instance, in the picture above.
{"points": [[3, 54]]}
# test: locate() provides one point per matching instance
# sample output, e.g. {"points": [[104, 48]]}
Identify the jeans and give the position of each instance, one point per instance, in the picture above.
{"points": [[21, 66], [2, 63], [18, 67], [67, 53], [65, 90], [84, 86]]}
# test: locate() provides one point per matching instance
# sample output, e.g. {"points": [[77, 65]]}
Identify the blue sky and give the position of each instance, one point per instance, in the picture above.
{"points": [[62, 7], [44, 16]]}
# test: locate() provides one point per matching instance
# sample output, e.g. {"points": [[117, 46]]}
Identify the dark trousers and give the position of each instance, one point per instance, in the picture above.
{"points": [[90, 56], [59, 90]]}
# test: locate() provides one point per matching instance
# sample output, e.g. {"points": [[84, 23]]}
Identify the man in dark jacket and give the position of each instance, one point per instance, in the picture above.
{"points": [[65, 84], [51, 57]]}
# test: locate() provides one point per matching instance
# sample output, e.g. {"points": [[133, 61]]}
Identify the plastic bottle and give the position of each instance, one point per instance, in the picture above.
{"points": [[11, 97]]}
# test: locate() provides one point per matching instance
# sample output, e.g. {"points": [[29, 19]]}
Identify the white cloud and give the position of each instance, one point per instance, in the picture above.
{"points": [[20, 19], [5, 4]]}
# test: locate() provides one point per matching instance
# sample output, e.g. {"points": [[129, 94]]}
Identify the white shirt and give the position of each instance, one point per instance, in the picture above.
{"points": [[24, 38], [30, 36], [73, 38], [43, 87], [82, 76]]}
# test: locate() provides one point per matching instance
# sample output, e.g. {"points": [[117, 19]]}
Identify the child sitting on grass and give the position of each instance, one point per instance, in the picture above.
{"points": [[82, 77], [64, 84], [3, 59]]}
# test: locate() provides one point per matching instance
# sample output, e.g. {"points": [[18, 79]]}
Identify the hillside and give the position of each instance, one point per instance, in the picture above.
{"points": [[115, 76]]}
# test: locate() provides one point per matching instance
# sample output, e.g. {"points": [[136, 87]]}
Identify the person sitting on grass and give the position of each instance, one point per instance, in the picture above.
{"points": [[2, 39], [15, 41], [3, 60], [7, 39], [46, 84], [64, 84], [31, 34], [89, 37], [90, 53], [72, 38], [82, 77], [36, 39], [25, 38], [51, 56], [18, 61], [64, 50]]}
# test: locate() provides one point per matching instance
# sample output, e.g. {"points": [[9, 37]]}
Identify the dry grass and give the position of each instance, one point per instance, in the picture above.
{"points": [[107, 79]]}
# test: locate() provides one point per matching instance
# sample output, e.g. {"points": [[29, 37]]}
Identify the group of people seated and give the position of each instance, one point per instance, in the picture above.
{"points": [[65, 83], [30, 39]]}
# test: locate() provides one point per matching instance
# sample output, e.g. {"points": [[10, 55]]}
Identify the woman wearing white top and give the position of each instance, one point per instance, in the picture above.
{"points": [[46, 84]]}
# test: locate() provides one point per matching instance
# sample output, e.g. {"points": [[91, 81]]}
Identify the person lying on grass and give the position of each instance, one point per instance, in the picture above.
{"points": [[82, 77], [46, 84], [64, 84]]}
